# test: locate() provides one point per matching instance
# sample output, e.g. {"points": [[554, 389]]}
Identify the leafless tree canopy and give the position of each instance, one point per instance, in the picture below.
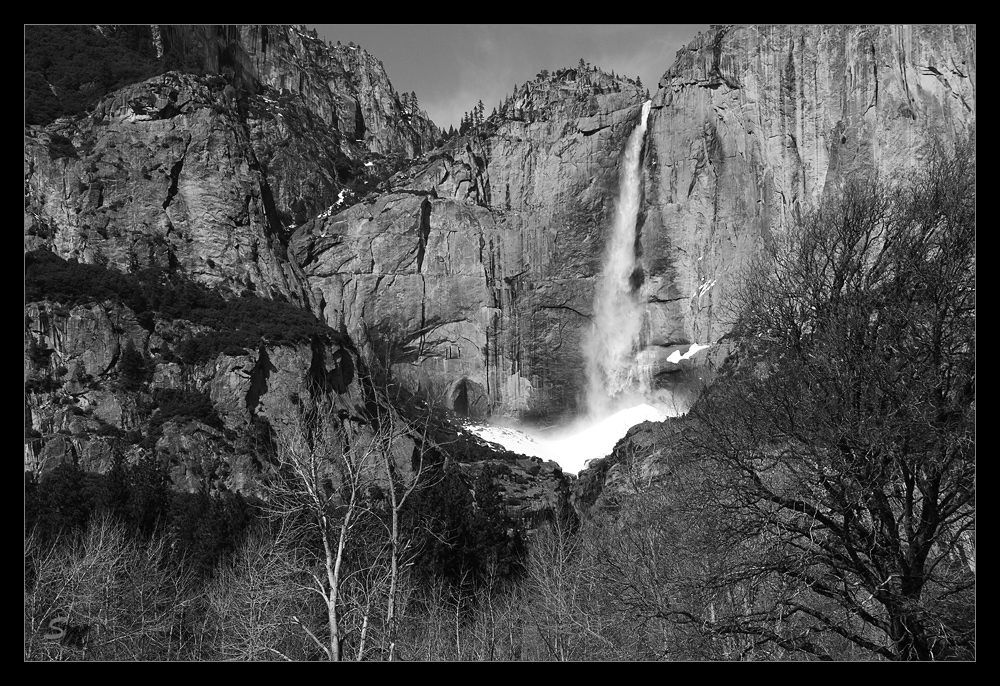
{"points": [[841, 448]]}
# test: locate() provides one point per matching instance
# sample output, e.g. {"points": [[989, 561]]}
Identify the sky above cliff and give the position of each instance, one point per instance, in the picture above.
{"points": [[453, 66]]}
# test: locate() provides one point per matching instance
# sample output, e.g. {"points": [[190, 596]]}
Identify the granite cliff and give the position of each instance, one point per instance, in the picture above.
{"points": [[209, 172], [184, 185], [478, 265], [279, 174], [752, 124], [482, 260]]}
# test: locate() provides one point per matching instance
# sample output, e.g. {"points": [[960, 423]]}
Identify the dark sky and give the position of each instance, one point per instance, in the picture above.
{"points": [[453, 66]]}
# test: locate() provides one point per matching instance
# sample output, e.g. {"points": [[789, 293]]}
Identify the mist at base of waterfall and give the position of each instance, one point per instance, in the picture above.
{"points": [[574, 445], [619, 389]]}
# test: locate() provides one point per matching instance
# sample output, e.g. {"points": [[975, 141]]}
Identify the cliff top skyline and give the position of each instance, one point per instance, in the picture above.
{"points": [[452, 66]]}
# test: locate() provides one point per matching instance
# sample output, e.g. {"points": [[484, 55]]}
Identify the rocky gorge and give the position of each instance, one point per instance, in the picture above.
{"points": [[289, 170]]}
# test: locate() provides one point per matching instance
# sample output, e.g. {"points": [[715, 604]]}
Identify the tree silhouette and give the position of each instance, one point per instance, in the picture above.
{"points": [[842, 445]]}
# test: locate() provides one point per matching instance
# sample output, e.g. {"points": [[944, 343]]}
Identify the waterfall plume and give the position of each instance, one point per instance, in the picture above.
{"points": [[610, 349]]}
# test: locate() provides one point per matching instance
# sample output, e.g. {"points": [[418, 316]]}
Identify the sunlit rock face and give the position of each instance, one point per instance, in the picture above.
{"points": [[162, 173], [478, 268], [210, 174], [483, 262], [751, 125], [476, 271]]}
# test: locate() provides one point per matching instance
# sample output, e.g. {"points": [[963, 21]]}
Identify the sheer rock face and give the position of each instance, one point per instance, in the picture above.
{"points": [[163, 173], [488, 276], [476, 272], [403, 276], [751, 125], [207, 173]]}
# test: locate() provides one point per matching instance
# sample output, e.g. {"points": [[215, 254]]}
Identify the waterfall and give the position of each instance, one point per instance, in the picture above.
{"points": [[612, 368]]}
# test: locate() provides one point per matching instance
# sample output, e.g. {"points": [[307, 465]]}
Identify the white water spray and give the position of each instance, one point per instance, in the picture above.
{"points": [[618, 369], [610, 349]]}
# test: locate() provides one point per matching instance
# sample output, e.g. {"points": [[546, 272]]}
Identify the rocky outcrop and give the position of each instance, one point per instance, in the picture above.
{"points": [[344, 85], [163, 173], [209, 173], [532, 489], [643, 457], [81, 409], [217, 425]]}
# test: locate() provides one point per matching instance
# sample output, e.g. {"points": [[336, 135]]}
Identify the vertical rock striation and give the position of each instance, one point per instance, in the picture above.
{"points": [[483, 259], [752, 124], [474, 271]]}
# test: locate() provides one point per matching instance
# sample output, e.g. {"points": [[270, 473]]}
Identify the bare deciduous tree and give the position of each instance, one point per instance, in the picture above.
{"points": [[105, 595], [325, 468], [842, 445], [253, 598]]}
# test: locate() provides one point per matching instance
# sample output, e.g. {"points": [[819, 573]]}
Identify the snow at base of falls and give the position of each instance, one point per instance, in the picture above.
{"points": [[573, 446]]}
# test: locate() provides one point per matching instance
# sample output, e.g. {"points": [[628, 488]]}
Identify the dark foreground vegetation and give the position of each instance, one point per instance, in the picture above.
{"points": [[818, 503], [840, 455], [122, 567]]}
